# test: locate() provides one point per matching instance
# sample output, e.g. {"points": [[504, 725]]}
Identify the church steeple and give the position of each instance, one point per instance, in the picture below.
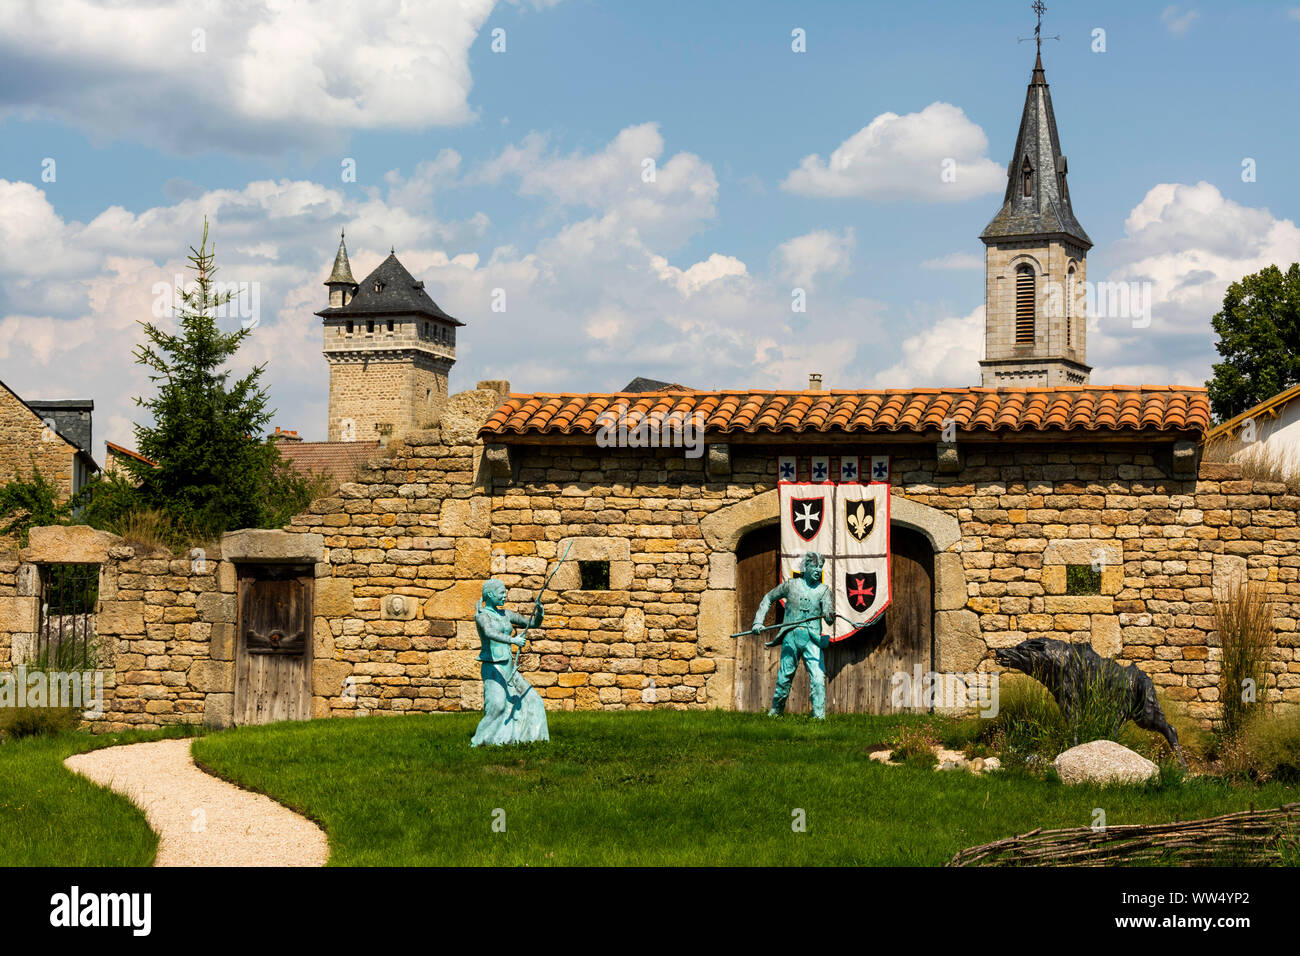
{"points": [[1036, 260], [1037, 199]]}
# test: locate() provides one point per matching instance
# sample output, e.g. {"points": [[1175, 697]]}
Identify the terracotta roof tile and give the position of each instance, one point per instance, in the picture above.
{"points": [[1113, 408], [340, 459]]}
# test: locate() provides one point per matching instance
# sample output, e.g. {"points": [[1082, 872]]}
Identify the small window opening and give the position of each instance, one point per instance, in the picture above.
{"points": [[65, 640], [390, 325], [1082, 580], [349, 326], [594, 574], [370, 325]]}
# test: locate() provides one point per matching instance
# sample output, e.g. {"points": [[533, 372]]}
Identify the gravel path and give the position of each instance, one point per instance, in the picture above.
{"points": [[200, 820]]}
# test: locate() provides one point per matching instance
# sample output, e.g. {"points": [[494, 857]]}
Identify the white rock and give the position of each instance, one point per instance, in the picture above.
{"points": [[1104, 761]]}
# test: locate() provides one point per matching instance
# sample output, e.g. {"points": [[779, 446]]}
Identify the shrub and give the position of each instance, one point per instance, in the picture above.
{"points": [[1244, 620], [19, 722], [1028, 723], [915, 745], [29, 503], [1267, 747]]}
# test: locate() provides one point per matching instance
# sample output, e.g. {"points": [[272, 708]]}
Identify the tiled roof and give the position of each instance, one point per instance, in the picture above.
{"points": [[390, 290], [1114, 408], [341, 459]]}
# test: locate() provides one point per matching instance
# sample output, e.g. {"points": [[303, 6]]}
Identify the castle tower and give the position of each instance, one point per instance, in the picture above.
{"points": [[390, 350], [1035, 329]]}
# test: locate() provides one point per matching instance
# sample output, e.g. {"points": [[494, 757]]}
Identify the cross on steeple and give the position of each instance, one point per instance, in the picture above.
{"points": [[1039, 8]]}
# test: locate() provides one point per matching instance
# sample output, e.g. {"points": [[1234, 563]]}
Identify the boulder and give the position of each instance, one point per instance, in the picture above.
{"points": [[1103, 761]]}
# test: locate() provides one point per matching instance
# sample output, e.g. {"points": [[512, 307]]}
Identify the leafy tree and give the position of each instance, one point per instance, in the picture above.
{"points": [[29, 503], [1259, 339], [214, 469]]}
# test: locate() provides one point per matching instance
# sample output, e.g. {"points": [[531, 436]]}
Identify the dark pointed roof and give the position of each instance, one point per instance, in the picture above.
{"points": [[342, 271], [398, 293], [1047, 209]]}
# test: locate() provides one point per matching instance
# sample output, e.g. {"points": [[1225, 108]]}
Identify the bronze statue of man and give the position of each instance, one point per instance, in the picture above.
{"points": [[807, 604]]}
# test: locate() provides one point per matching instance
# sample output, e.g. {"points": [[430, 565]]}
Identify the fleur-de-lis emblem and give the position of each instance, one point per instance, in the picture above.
{"points": [[861, 519]]}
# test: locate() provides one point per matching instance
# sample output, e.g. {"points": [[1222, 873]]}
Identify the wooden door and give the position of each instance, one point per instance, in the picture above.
{"points": [[273, 655], [859, 670]]}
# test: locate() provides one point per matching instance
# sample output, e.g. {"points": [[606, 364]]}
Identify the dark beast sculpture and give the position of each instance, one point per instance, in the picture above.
{"points": [[1066, 670]]}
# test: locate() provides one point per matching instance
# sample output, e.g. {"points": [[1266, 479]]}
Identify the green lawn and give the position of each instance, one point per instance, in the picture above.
{"points": [[660, 788], [50, 816]]}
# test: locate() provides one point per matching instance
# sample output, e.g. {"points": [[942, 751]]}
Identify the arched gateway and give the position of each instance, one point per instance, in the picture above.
{"points": [[927, 583]]}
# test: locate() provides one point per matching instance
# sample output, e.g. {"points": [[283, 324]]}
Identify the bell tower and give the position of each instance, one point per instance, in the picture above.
{"points": [[1035, 330], [390, 350]]}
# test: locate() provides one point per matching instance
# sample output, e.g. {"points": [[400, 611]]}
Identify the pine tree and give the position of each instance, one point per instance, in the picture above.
{"points": [[213, 466]]}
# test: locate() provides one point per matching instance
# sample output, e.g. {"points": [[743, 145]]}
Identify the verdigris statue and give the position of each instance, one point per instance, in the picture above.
{"points": [[807, 604], [1067, 670], [513, 711]]}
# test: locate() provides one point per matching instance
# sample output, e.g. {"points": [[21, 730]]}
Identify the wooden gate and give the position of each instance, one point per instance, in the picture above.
{"points": [[273, 658], [859, 669]]}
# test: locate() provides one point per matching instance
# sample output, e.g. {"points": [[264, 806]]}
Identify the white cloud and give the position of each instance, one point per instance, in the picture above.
{"points": [[955, 261], [628, 181], [1178, 23], [936, 155], [260, 77], [1186, 244], [802, 259], [945, 354]]}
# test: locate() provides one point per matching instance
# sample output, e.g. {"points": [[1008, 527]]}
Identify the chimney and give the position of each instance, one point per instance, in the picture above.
{"points": [[815, 381], [286, 435]]}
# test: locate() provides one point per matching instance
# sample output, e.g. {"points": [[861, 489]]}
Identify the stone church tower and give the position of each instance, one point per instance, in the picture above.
{"points": [[1035, 330], [390, 350]]}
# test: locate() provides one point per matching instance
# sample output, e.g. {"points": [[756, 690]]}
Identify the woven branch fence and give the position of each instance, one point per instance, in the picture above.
{"points": [[1246, 838]]}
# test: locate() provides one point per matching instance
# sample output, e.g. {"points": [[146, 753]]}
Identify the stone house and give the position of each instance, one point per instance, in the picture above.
{"points": [[53, 437]]}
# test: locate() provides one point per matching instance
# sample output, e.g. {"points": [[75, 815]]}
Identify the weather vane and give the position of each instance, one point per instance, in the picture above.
{"points": [[1039, 8]]}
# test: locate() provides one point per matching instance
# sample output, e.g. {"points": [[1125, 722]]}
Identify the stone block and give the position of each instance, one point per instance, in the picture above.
{"points": [[327, 677], [120, 617], [212, 676], [255, 545], [465, 517], [949, 582], [71, 544], [1106, 636], [455, 603], [959, 645], [465, 413], [333, 597], [215, 607], [222, 644], [719, 460], [18, 614], [617, 551], [219, 710], [722, 570], [1079, 604], [716, 624], [474, 557]]}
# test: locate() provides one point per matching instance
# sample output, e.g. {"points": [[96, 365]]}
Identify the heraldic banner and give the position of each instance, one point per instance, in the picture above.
{"points": [[848, 524]]}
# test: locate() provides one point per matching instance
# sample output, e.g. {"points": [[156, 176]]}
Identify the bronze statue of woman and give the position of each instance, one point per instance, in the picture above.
{"points": [[513, 711]]}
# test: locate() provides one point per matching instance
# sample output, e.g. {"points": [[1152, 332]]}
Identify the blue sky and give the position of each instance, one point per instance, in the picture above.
{"points": [[521, 171]]}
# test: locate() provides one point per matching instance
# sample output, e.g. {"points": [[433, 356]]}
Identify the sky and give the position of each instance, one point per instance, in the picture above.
{"points": [[602, 189]]}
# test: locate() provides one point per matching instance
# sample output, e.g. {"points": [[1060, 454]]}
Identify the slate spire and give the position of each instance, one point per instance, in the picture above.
{"points": [[342, 271], [1037, 199]]}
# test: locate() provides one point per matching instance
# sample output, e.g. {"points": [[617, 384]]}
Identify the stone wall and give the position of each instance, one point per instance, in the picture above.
{"points": [[401, 556]]}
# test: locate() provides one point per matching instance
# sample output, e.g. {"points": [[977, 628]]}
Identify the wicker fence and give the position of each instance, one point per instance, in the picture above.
{"points": [[1246, 838]]}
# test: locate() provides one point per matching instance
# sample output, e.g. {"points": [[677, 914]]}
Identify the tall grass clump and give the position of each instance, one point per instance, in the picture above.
{"points": [[1244, 619]]}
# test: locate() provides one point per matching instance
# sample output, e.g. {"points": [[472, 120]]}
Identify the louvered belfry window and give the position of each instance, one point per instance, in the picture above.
{"points": [[1025, 306]]}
